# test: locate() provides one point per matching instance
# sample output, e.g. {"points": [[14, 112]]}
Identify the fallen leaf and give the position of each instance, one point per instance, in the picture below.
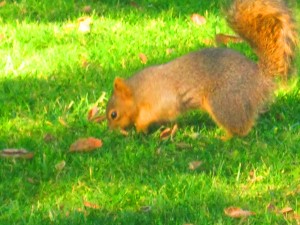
{"points": [[254, 178], [59, 166], [271, 208], [286, 210], [31, 180], [87, 9], [145, 208], [134, 4], [195, 164], [143, 58], [48, 138], [2, 4], [198, 19], [86, 145], [92, 113], [296, 217], [235, 212], [84, 24], [91, 205], [279, 117], [16, 153], [225, 39], [165, 134]]}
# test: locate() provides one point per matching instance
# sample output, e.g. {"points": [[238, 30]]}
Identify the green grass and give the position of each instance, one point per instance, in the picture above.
{"points": [[48, 72]]}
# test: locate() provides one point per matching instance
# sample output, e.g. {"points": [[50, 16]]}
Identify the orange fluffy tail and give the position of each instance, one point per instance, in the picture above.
{"points": [[268, 26]]}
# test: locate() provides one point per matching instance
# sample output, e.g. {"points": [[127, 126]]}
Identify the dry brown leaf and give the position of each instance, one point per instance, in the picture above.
{"points": [[286, 210], [16, 153], [165, 134], [225, 39], [92, 113], [195, 164], [198, 19], [87, 9], [235, 212], [91, 205], [86, 145], [2, 4], [271, 208], [134, 4], [59, 166], [254, 178], [49, 138], [145, 208], [143, 58], [296, 217], [31, 180]]}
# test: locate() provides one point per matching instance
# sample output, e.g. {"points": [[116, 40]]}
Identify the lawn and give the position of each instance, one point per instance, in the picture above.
{"points": [[52, 73]]}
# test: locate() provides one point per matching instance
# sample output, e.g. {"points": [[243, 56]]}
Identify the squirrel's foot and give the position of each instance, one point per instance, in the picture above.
{"points": [[226, 137], [143, 129]]}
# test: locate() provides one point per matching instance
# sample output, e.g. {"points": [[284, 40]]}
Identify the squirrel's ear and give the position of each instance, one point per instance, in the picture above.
{"points": [[121, 89]]}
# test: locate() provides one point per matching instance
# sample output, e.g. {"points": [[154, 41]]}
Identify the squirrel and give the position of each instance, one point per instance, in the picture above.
{"points": [[231, 88]]}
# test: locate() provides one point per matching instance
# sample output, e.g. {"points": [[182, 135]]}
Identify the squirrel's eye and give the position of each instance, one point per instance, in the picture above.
{"points": [[113, 115]]}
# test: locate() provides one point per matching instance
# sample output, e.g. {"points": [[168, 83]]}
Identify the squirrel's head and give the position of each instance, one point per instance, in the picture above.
{"points": [[120, 109]]}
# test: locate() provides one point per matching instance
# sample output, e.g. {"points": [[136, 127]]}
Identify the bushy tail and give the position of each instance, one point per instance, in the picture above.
{"points": [[269, 28]]}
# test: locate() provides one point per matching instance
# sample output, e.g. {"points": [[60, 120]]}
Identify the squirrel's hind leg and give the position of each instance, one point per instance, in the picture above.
{"points": [[231, 113]]}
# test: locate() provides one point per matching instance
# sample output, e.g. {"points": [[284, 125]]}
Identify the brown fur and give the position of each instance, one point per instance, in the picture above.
{"points": [[222, 82]]}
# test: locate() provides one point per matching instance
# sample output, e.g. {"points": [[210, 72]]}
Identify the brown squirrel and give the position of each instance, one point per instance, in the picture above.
{"points": [[220, 81]]}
